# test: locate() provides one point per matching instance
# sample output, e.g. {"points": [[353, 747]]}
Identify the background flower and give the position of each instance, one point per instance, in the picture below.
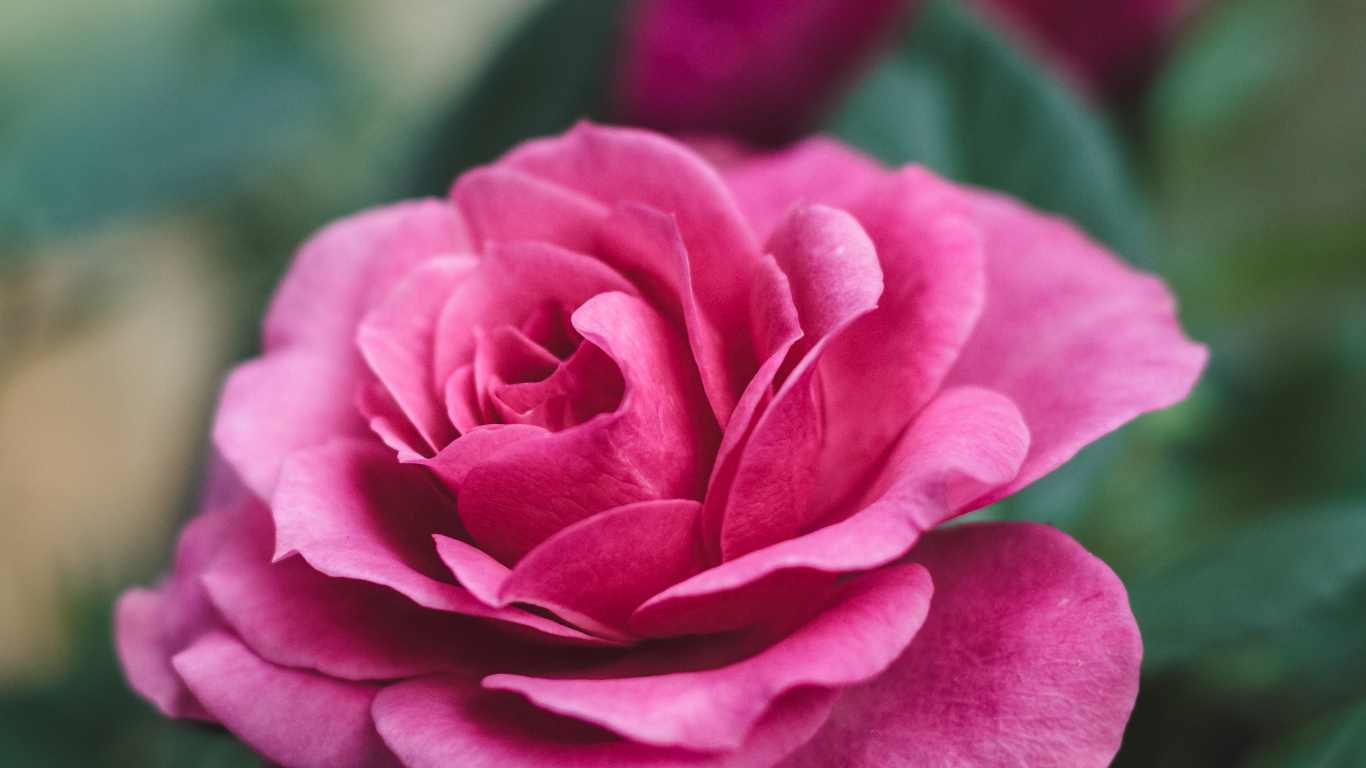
{"points": [[772, 70]]}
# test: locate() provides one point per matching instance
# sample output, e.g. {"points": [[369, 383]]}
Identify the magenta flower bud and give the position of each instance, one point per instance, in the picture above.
{"points": [[763, 70]]}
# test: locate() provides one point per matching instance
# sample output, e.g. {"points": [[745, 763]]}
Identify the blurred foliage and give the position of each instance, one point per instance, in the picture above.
{"points": [[554, 72], [959, 99], [1238, 518], [1337, 740], [1248, 582], [88, 718], [176, 115]]}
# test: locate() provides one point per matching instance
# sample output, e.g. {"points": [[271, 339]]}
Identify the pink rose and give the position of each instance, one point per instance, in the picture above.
{"points": [[613, 459]]}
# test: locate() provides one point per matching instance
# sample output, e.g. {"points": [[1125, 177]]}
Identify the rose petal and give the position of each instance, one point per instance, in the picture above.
{"points": [[145, 652], [150, 626], [282, 403], [474, 569], [865, 630], [933, 273], [776, 329], [597, 571], [816, 170], [389, 422], [1029, 639], [440, 721], [349, 266], [457, 459], [462, 400], [512, 281], [353, 512], [964, 441], [613, 165], [398, 341], [291, 615], [656, 445], [1080, 341], [290, 716], [881, 372], [646, 244], [502, 204], [835, 279], [585, 385], [302, 392], [831, 265]]}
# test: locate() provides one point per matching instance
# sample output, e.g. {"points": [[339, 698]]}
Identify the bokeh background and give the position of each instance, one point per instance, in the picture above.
{"points": [[161, 159]]}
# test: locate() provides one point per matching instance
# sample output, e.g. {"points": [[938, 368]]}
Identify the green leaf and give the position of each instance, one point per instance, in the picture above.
{"points": [[180, 114], [1337, 740], [958, 99], [1257, 133], [552, 73], [1262, 577]]}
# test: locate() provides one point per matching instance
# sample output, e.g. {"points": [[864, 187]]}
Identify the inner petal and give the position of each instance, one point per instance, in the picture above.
{"points": [[548, 325], [586, 384]]}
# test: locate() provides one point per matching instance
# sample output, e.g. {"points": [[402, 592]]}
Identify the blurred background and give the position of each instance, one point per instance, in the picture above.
{"points": [[161, 159]]}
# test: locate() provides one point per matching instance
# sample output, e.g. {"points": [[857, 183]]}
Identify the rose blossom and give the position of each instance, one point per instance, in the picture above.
{"points": [[614, 459]]}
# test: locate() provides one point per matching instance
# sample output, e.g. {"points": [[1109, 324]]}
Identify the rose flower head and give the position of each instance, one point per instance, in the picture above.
{"points": [[617, 459]]}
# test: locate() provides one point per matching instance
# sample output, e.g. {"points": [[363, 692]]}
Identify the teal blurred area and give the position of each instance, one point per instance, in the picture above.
{"points": [[159, 162], [160, 159]]}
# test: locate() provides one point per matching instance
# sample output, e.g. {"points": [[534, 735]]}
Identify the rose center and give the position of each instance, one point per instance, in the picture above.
{"points": [[542, 372]]}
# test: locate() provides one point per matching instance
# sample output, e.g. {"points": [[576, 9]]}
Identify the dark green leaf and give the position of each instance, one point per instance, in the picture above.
{"points": [[1337, 740], [960, 100], [1262, 577], [552, 73], [171, 119]]}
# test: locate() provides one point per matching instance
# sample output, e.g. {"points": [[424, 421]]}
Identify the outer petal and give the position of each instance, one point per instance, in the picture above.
{"points": [[966, 440], [504, 204], [1029, 656], [815, 170], [1080, 341], [345, 269], [755, 68], [437, 722], [596, 572], [298, 718], [284, 402], [145, 648], [151, 626], [870, 624], [658, 444], [353, 512], [293, 616], [302, 392]]}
